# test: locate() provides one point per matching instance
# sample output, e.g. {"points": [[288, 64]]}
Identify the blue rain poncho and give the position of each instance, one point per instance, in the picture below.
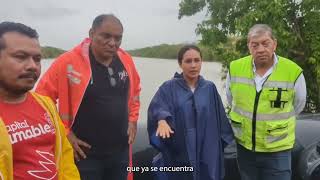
{"points": [[201, 131]]}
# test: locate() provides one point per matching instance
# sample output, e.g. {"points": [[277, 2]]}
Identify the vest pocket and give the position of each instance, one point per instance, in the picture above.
{"points": [[237, 127], [276, 134], [279, 98]]}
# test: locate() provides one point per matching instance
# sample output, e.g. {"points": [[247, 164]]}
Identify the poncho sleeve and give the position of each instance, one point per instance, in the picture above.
{"points": [[160, 108]]}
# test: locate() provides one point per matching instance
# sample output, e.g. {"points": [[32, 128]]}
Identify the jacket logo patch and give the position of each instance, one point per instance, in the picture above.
{"points": [[73, 75], [123, 75]]}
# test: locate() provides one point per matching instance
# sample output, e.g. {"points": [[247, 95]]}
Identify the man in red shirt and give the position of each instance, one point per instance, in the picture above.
{"points": [[33, 141]]}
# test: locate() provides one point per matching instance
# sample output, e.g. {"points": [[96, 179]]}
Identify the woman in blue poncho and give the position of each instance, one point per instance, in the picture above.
{"points": [[187, 124]]}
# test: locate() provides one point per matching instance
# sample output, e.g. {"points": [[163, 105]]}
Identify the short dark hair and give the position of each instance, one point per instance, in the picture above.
{"points": [[185, 48], [16, 27], [102, 17], [260, 29]]}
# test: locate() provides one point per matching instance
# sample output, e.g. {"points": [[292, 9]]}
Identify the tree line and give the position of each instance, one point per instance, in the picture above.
{"points": [[51, 52], [169, 51]]}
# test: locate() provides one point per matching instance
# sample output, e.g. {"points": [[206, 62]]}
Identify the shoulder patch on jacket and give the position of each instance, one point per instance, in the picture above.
{"points": [[73, 75]]}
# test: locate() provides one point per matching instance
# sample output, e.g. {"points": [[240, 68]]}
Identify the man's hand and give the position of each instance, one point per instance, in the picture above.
{"points": [[78, 146], [164, 129], [132, 131]]}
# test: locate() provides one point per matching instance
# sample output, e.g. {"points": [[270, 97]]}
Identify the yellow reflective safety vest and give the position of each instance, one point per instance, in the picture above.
{"points": [[263, 121]]}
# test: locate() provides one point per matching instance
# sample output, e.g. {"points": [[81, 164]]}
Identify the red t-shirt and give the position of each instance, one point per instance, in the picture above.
{"points": [[32, 136]]}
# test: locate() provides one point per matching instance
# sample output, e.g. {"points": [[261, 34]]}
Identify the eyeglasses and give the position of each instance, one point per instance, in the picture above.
{"points": [[112, 80]]}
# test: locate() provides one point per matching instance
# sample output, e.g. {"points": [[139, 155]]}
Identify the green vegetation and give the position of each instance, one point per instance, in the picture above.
{"points": [[295, 23], [51, 52], [166, 51]]}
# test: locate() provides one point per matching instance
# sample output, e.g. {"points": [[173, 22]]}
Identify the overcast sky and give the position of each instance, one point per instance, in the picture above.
{"points": [[64, 23]]}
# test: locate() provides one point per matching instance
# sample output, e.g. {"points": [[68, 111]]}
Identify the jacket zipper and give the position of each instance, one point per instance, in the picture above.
{"points": [[254, 120], [254, 116], [89, 82]]}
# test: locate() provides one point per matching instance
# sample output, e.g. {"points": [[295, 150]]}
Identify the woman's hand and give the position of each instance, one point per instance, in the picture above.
{"points": [[163, 129]]}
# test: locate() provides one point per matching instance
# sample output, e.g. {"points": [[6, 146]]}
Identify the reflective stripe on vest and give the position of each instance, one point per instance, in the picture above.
{"points": [[264, 117], [242, 80], [268, 84]]}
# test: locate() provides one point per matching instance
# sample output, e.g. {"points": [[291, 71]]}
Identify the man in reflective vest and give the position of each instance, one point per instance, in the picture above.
{"points": [[265, 92]]}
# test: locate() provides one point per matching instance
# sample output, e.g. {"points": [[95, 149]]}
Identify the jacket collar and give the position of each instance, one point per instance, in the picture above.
{"points": [[182, 82]]}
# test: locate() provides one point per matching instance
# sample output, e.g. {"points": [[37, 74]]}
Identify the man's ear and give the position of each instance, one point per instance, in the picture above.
{"points": [[275, 44], [91, 33]]}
